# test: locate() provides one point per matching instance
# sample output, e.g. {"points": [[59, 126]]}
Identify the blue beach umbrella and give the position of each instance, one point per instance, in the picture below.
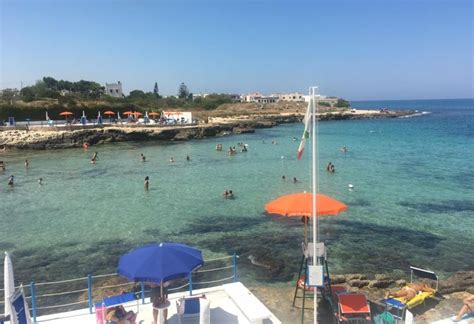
{"points": [[160, 262]]}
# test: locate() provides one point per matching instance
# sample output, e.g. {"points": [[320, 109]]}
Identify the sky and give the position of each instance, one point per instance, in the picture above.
{"points": [[355, 49]]}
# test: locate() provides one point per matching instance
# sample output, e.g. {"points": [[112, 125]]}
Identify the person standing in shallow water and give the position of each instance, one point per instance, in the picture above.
{"points": [[27, 164], [147, 182], [143, 157]]}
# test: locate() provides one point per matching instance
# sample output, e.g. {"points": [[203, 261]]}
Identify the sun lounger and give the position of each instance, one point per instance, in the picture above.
{"points": [[101, 307], [197, 307], [398, 308], [353, 307]]}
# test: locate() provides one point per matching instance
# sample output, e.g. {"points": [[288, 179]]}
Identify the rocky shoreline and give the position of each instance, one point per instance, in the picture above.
{"points": [[447, 303], [61, 137]]}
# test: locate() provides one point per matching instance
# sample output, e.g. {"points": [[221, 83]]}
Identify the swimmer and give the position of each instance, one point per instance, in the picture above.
{"points": [[231, 194], [11, 180], [283, 177], [143, 157], [171, 159], [343, 149], [95, 156], [294, 138], [85, 146], [27, 164], [295, 180], [330, 168], [2, 166], [147, 182], [40, 181], [226, 193], [188, 158], [244, 148]]}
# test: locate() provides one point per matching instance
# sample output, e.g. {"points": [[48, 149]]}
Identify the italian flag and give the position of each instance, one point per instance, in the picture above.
{"points": [[307, 130]]}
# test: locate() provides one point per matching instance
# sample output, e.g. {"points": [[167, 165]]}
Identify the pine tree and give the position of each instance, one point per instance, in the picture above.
{"points": [[155, 89], [183, 91]]}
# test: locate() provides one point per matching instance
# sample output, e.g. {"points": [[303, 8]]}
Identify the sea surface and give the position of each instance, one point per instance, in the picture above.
{"points": [[412, 202]]}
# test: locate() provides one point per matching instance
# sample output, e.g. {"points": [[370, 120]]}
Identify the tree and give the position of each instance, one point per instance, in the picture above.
{"points": [[342, 103], [183, 91], [51, 83], [27, 94], [9, 94], [136, 94], [155, 89]]}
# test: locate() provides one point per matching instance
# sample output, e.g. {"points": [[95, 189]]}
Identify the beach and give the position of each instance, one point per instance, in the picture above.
{"points": [[409, 193]]}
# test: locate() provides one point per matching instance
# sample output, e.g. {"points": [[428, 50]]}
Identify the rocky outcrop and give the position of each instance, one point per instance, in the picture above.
{"points": [[40, 138]]}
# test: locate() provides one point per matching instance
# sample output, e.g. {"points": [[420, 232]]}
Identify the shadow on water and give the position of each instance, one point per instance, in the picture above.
{"points": [[269, 249], [442, 207], [362, 247]]}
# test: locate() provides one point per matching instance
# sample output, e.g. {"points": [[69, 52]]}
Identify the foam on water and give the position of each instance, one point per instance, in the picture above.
{"points": [[411, 201]]}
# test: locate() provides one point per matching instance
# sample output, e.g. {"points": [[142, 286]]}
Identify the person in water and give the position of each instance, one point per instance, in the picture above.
{"points": [[171, 159], [409, 291], [344, 149], [95, 156], [143, 157], [231, 194], [295, 180], [330, 168], [188, 158], [147, 182], [27, 164], [40, 181], [283, 177], [11, 180], [2, 166]]}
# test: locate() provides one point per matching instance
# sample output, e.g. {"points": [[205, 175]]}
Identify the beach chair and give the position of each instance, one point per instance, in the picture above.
{"points": [[397, 308], [353, 308], [195, 308], [101, 307]]}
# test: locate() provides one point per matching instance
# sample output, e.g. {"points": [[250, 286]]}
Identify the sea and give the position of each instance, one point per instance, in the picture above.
{"points": [[411, 201]]}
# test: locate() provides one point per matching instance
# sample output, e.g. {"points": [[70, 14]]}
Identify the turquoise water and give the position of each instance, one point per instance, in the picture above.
{"points": [[412, 201]]}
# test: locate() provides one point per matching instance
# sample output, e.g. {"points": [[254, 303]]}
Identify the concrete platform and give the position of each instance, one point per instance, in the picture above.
{"points": [[224, 309]]}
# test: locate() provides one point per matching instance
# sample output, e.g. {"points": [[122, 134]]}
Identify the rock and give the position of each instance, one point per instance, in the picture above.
{"points": [[400, 283], [354, 276], [338, 279], [381, 277], [380, 283], [460, 281], [358, 283]]}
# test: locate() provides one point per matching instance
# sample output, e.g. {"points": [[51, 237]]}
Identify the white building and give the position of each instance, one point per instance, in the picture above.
{"points": [[180, 117], [114, 89], [258, 97], [295, 96]]}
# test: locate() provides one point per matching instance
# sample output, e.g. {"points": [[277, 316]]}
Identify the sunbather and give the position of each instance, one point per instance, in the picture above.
{"points": [[409, 291], [468, 306], [118, 315]]}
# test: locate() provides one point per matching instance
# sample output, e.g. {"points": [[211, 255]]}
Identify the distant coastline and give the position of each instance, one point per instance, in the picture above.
{"points": [[211, 125]]}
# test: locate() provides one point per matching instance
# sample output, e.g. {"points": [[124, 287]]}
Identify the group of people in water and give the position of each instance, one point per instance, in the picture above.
{"points": [[295, 180]]}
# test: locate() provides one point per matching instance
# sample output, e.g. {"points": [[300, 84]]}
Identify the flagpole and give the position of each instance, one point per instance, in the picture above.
{"points": [[314, 172]]}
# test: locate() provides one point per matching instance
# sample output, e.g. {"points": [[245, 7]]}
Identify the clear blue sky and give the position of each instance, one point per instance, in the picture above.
{"points": [[357, 49]]}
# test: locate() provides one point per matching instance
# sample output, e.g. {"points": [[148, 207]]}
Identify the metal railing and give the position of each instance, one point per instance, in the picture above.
{"points": [[205, 276]]}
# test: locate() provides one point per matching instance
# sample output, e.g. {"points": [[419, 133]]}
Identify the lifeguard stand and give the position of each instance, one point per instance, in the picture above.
{"points": [[302, 283]]}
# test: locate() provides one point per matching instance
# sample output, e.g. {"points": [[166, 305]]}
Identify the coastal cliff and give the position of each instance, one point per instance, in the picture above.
{"points": [[45, 137]]}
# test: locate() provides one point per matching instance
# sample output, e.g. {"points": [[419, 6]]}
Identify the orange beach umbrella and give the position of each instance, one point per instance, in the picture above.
{"points": [[300, 204], [108, 112], [66, 113], [128, 113]]}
